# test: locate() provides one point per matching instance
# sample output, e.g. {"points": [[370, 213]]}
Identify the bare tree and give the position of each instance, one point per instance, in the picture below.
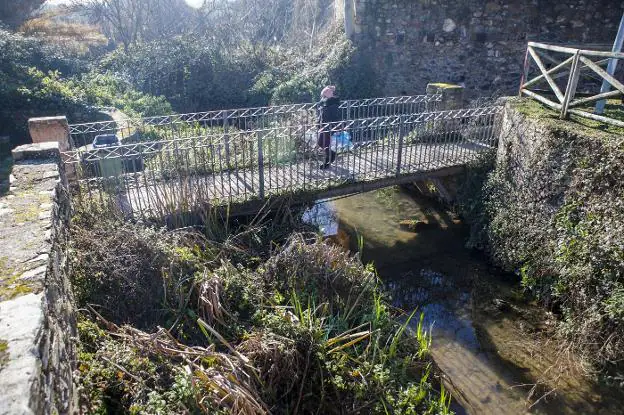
{"points": [[229, 23], [130, 21]]}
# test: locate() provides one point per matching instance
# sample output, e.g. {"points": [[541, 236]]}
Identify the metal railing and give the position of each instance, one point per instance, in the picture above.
{"points": [[561, 68], [169, 175], [186, 125]]}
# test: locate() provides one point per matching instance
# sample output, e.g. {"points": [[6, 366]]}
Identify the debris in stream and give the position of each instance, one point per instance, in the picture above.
{"points": [[413, 225]]}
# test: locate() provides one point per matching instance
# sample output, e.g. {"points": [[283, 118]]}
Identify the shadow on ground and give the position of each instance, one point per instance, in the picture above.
{"points": [[6, 166]]}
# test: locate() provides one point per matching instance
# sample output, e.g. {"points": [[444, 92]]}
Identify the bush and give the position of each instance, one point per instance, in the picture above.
{"points": [[35, 81], [191, 72], [125, 271], [306, 331], [197, 74], [107, 90]]}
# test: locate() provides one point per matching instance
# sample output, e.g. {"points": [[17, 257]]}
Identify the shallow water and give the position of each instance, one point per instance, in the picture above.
{"points": [[489, 360]]}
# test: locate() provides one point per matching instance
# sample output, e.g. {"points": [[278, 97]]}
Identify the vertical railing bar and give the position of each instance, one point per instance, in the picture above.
{"points": [[426, 138], [400, 149], [226, 139], [221, 172], [448, 142], [525, 71]]}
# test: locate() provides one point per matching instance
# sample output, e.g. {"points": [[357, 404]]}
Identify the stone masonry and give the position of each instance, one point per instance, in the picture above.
{"points": [[478, 43], [37, 315]]}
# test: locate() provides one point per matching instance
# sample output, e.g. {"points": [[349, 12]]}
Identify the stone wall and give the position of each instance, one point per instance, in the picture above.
{"points": [[479, 43], [37, 314]]}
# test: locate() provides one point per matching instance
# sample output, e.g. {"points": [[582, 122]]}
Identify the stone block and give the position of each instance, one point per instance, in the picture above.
{"points": [[46, 129], [452, 95], [36, 151]]}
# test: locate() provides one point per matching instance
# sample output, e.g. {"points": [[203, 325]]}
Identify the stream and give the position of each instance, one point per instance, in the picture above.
{"points": [[487, 342]]}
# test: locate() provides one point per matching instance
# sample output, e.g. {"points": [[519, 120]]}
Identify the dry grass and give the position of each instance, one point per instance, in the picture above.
{"points": [[62, 32], [258, 326]]}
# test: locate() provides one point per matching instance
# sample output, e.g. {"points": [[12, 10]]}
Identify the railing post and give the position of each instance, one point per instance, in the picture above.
{"points": [[260, 167], [400, 149], [226, 139], [570, 90], [525, 71]]}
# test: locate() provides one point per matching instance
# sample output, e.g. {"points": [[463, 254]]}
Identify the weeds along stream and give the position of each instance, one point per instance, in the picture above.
{"points": [[249, 318]]}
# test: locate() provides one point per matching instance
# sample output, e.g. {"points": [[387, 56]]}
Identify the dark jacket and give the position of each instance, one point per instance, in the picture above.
{"points": [[329, 110]]}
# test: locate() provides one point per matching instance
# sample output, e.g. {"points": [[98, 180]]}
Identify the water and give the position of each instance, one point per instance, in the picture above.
{"points": [[486, 348]]}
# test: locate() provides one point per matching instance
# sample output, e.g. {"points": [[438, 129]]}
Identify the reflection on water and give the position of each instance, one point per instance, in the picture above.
{"points": [[431, 270], [323, 216]]}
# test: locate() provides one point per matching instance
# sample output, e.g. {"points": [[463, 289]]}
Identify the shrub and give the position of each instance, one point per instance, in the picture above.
{"points": [[191, 72], [34, 81], [125, 269], [306, 331], [107, 90]]}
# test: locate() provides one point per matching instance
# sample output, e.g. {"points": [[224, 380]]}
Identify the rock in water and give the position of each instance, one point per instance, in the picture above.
{"points": [[413, 225]]}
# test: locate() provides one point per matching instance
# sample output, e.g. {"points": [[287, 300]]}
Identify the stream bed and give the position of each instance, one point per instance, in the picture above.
{"points": [[487, 341]]}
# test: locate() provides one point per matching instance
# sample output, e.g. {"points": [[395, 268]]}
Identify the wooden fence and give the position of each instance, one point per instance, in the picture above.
{"points": [[559, 64]]}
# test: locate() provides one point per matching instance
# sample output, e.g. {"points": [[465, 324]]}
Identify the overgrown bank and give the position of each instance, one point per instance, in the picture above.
{"points": [[550, 208], [234, 323]]}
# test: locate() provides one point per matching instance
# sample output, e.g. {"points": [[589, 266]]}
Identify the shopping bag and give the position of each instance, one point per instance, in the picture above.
{"points": [[341, 141]]}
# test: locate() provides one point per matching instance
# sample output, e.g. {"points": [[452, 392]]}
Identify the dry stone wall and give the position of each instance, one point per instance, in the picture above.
{"points": [[478, 43], [37, 314]]}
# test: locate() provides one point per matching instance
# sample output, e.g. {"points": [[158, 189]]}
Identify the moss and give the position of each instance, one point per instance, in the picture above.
{"points": [[9, 285], [5, 269], [27, 214], [11, 289], [445, 85], [534, 109], [4, 353], [556, 220]]}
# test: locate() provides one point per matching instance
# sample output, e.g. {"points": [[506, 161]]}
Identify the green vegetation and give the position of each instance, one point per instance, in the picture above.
{"points": [[556, 219], [10, 283], [613, 109], [55, 66], [40, 78], [243, 318], [4, 354]]}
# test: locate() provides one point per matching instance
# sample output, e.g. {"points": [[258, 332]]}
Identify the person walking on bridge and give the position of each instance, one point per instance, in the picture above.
{"points": [[328, 119]]}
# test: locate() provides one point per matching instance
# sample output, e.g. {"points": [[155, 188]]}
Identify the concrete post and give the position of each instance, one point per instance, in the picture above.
{"points": [[452, 95], [53, 129]]}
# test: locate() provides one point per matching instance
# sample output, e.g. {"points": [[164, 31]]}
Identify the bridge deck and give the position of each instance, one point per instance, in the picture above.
{"points": [[359, 170]]}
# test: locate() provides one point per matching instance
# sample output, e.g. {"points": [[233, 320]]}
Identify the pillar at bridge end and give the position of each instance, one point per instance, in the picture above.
{"points": [[53, 129], [452, 95], [46, 129]]}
